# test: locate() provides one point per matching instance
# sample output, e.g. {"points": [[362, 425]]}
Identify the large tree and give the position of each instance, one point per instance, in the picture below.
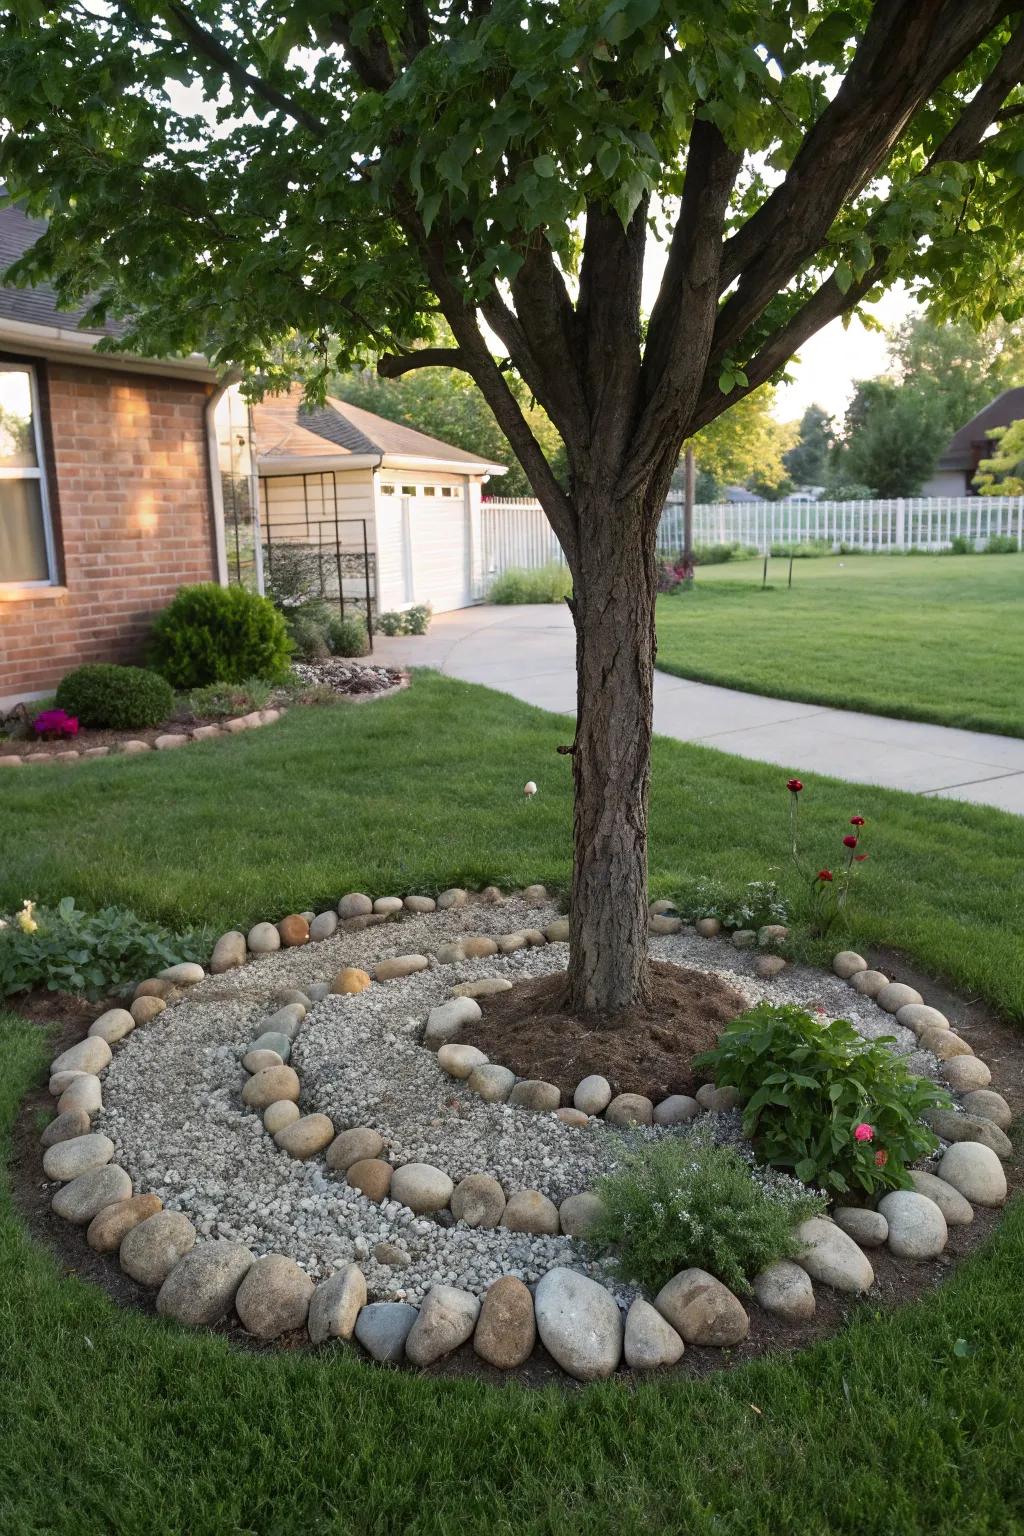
{"points": [[339, 173]]}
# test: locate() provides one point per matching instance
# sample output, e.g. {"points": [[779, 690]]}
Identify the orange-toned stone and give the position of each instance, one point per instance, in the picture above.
{"points": [[293, 930], [351, 979], [114, 1222], [372, 1177]]}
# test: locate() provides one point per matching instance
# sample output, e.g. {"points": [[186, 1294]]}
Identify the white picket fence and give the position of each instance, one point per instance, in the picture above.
{"points": [[517, 535]]}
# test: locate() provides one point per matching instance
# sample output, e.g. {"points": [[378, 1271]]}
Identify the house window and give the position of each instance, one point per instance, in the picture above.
{"points": [[408, 490], [447, 490], [387, 490], [430, 490], [26, 539]]}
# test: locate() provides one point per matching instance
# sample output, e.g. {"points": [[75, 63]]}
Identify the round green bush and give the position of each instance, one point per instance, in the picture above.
{"points": [[348, 637], [105, 697], [212, 634]]}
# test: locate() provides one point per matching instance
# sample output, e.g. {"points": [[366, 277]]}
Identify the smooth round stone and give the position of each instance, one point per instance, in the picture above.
{"points": [[65, 1128], [420, 904], [263, 939], [422, 1187], [454, 896], [150, 1250], [228, 953], [492, 1082], [535, 938], [273, 1083], [869, 983], [593, 1094], [317, 990], [717, 1100], [950, 1126], [451, 954], [258, 1061], [371, 1176], [831, 1257], [276, 1043], [200, 1290], [557, 932], [487, 986], [965, 1074], [83, 1093], [506, 1329], [577, 1213], [661, 907], [186, 974], [350, 980], [61, 1080], [708, 927], [919, 1017], [677, 1109], [306, 1136], [943, 1044], [391, 1255], [479, 947], [323, 926], [785, 1290], [493, 895], [535, 895], [279, 1114], [447, 1319], [156, 986], [511, 943], [630, 1109], [479, 1201], [274, 1297], [360, 1144], [579, 1324], [89, 1055], [286, 1020], [527, 1210], [869, 1229], [388, 904], [744, 938], [336, 1304], [649, 1342], [957, 1211], [769, 966], [70, 1159], [294, 930], [847, 963], [446, 1021], [897, 995], [84, 1197], [772, 933], [702, 1310], [986, 1105], [110, 1227], [534, 1093], [460, 1060], [145, 1009], [917, 1227], [383, 1327], [399, 966], [662, 922], [971, 1168], [570, 1116], [355, 904], [112, 1025]]}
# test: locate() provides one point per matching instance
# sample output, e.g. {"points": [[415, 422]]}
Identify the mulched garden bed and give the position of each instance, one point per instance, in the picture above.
{"points": [[645, 1051]]}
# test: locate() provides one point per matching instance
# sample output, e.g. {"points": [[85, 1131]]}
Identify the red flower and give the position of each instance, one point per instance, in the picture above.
{"points": [[856, 821], [881, 1158], [863, 1132], [859, 858], [824, 874], [849, 841], [794, 786]]}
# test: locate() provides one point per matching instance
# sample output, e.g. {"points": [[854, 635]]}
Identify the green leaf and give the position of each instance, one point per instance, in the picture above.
{"points": [[545, 165], [608, 157]]}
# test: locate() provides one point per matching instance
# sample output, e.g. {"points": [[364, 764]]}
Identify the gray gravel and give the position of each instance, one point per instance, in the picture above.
{"points": [[172, 1104]]}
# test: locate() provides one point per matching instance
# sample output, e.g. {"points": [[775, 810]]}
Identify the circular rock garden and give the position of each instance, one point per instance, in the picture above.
{"points": [[337, 1127]]}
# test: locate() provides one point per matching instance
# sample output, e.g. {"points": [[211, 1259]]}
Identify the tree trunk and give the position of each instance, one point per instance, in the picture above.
{"points": [[614, 590]]}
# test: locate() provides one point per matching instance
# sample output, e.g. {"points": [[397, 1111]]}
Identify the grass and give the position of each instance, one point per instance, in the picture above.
{"points": [[903, 1424], [919, 637], [550, 583]]}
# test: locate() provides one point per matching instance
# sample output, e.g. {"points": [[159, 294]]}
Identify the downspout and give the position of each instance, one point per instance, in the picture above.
{"points": [[213, 466]]}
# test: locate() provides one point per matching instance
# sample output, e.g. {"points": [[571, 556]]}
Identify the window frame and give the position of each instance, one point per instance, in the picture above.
{"points": [[26, 472]]}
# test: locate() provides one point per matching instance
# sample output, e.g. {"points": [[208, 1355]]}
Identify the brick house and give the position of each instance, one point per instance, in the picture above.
{"points": [[110, 491]]}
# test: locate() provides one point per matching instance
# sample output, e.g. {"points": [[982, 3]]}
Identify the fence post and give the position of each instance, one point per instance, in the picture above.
{"points": [[901, 527]]}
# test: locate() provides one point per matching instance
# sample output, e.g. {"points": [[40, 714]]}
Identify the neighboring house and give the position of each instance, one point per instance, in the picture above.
{"points": [[332, 476], [109, 486], [958, 464]]}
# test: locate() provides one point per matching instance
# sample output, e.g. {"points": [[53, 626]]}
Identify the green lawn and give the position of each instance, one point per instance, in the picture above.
{"points": [[922, 637], [115, 1422]]}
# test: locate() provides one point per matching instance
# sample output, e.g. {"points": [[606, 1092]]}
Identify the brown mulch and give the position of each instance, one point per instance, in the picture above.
{"points": [[647, 1051]]}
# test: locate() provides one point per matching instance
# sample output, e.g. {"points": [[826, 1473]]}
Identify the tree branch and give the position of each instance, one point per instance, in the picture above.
{"points": [[372, 62], [393, 366]]}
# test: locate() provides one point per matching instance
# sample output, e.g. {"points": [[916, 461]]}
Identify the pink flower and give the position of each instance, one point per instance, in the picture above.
{"points": [[881, 1158], [863, 1132]]}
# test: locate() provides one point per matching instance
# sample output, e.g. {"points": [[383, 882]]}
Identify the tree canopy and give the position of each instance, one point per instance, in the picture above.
{"points": [[744, 446], [1003, 473]]}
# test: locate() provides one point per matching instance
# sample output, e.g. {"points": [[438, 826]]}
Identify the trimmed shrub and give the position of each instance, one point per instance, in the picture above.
{"points": [[308, 629], [106, 697], [217, 701], [391, 623], [347, 637], [212, 634], [1001, 544], [417, 619], [548, 584], [962, 546]]}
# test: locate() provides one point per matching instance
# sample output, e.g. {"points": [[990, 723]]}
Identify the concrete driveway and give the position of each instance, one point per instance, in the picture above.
{"points": [[528, 652]]}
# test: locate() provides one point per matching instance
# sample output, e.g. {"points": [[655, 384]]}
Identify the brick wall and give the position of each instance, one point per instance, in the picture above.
{"points": [[130, 496]]}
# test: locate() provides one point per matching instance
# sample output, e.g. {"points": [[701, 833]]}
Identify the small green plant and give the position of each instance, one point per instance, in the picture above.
{"points": [[961, 546], [347, 637], [105, 697], [309, 631], [809, 549], [551, 583], [217, 701], [1001, 544], [93, 954], [391, 623], [682, 1203], [757, 904], [417, 619], [212, 634], [842, 1112], [830, 889], [722, 554]]}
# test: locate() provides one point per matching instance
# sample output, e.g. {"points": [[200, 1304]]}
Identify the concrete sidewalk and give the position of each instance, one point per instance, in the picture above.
{"points": [[528, 652]]}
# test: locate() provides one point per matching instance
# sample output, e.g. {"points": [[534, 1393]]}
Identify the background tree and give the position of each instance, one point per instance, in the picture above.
{"points": [[808, 461], [745, 446], [357, 168], [956, 368], [893, 437], [1003, 473]]}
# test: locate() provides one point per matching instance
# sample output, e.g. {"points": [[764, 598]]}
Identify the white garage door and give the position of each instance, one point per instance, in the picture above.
{"points": [[439, 535]]}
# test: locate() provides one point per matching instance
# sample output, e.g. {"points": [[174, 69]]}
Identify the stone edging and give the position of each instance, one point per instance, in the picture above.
{"points": [[577, 1319], [165, 743]]}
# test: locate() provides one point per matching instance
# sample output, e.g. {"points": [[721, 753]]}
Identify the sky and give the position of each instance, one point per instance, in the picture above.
{"points": [[830, 363]]}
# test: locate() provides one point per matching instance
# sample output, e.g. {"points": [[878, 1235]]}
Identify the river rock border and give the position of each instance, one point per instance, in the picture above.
{"points": [[579, 1321], [165, 743]]}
